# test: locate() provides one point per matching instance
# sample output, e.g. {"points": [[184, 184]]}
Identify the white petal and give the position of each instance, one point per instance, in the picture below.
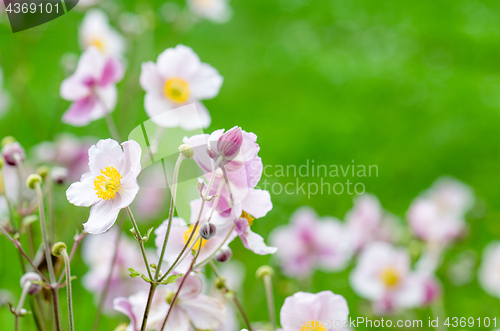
{"points": [[257, 203], [180, 61], [206, 82], [150, 79], [206, 313], [106, 152], [131, 157], [82, 193], [102, 216]]}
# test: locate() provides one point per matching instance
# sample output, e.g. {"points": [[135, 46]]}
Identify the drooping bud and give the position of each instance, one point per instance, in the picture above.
{"points": [[57, 248], [32, 180], [8, 140], [13, 153], [230, 142], [223, 255], [220, 283], [186, 150], [43, 171], [59, 175], [207, 230], [264, 271], [34, 279]]}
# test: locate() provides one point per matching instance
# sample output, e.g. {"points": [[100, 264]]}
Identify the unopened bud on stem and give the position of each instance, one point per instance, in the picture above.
{"points": [[57, 248], [34, 279], [13, 153], [207, 230], [43, 171], [186, 150], [223, 255], [264, 271], [32, 180]]}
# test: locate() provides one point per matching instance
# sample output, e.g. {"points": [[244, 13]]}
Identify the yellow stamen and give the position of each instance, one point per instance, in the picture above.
{"points": [[390, 277], [177, 90], [248, 217], [313, 326], [187, 233], [108, 183], [97, 42]]}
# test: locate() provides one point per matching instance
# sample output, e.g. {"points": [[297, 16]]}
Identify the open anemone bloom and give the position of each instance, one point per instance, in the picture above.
{"points": [[176, 79], [308, 243], [438, 215], [97, 253], [92, 88], [95, 31], [323, 311], [191, 306], [179, 236], [110, 185], [383, 275], [217, 11], [489, 271]]}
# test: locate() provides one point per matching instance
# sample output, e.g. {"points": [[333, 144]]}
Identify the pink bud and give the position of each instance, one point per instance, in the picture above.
{"points": [[230, 142], [13, 152]]}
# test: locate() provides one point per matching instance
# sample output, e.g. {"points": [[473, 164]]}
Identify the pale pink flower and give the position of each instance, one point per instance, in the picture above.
{"points": [[191, 306], [438, 215], [179, 235], [176, 79], [323, 311], [310, 243], [489, 271], [368, 222], [383, 275], [95, 31], [92, 88], [217, 11], [110, 185], [97, 253]]}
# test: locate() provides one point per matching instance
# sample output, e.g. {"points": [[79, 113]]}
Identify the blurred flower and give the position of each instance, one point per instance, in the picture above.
{"points": [[438, 215], [367, 222], [461, 271], [179, 235], [84, 4], [66, 151], [98, 252], [110, 185], [489, 271], [13, 153], [308, 243], [95, 31], [191, 306], [178, 78], [217, 11], [321, 311], [92, 88], [4, 96], [59, 175], [383, 275]]}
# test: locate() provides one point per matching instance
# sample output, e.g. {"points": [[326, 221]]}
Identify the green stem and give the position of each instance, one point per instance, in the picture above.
{"points": [[141, 243], [216, 250], [65, 256], [270, 300]]}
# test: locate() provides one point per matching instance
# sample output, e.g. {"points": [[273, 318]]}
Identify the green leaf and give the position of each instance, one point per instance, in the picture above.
{"points": [[146, 238], [171, 279], [134, 273]]}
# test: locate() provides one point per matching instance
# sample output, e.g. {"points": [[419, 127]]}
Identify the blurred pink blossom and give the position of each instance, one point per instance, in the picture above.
{"points": [[217, 11], [310, 243], [95, 31], [489, 271]]}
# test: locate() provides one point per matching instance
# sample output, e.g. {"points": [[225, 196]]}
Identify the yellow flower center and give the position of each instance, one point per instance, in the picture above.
{"points": [[107, 184], [248, 217], [97, 42], [390, 277], [313, 326], [187, 233], [177, 90]]}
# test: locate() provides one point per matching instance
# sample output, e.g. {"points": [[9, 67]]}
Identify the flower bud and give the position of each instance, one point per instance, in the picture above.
{"points": [[220, 283], [59, 175], [169, 296], [207, 230], [13, 152], [186, 150], [32, 277], [32, 180], [43, 171], [264, 271], [223, 255], [8, 140], [57, 248], [230, 142]]}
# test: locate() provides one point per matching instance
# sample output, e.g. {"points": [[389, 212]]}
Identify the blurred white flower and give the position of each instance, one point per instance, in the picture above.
{"points": [[176, 79], [95, 31], [97, 253], [217, 11], [438, 215], [110, 185], [310, 242], [383, 276], [308, 311], [489, 271]]}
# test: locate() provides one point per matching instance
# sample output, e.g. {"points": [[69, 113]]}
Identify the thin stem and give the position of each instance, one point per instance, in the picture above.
{"points": [[105, 290], [50, 212], [152, 290], [113, 130], [172, 304], [216, 250], [65, 256], [48, 256], [78, 239], [270, 300], [139, 239], [23, 253], [171, 212], [21, 302], [19, 169]]}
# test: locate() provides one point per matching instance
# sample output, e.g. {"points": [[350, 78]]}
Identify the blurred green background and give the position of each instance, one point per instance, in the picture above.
{"points": [[410, 86]]}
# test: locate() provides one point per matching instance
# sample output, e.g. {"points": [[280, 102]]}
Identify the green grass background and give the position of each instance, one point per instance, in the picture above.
{"points": [[410, 86]]}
